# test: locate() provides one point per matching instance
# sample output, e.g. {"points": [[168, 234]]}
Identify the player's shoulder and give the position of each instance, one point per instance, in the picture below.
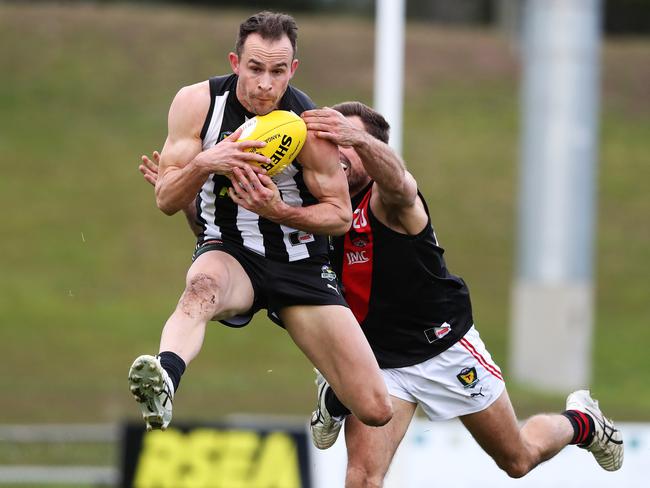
{"points": [[205, 90], [190, 106], [219, 85], [194, 92]]}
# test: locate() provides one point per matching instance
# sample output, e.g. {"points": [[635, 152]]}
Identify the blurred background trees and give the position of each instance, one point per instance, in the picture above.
{"points": [[621, 17]]}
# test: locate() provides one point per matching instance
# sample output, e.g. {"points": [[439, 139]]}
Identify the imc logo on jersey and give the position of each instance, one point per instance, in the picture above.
{"points": [[437, 332], [356, 257], [468, 377]]}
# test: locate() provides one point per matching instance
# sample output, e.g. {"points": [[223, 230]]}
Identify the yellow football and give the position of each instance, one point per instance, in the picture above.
{"points": [[284, 133]]}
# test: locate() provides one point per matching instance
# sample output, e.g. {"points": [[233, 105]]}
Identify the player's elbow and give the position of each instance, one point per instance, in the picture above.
{"points": [[166, 206], [406, 193], [341, 225], [167, 210]]}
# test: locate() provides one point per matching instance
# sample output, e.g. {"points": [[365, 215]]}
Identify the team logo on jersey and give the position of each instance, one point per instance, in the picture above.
{"points": [[437, 332], [468, 377], [223, 135], [359, 242], [356, 257], [327, 273]]}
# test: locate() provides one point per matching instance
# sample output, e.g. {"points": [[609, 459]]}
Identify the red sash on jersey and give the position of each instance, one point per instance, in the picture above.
{"points": [[356, 272]]}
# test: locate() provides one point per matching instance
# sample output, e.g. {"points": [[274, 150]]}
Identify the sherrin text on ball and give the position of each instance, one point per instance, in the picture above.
{"points": [[284, 133]]}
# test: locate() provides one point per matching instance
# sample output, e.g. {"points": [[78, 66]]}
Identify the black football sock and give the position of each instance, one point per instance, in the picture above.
{"points": [[174, 365], [583, 427], [334, 405]]}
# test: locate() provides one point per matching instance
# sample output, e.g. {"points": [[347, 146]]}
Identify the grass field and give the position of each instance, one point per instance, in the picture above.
{"points": [[90, 269]]}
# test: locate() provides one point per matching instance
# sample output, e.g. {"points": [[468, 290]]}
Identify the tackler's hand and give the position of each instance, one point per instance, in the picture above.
{"points": [[149, 168]]}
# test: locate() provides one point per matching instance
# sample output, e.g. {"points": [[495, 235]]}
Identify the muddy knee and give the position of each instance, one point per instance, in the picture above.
{"points": [[201, 297]]}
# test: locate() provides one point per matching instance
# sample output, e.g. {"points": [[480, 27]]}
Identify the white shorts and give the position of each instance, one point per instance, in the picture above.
{"points": [[460, 381]]}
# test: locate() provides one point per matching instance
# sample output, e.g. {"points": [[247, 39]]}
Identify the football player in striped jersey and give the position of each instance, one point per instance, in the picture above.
{"points": [[246, 261]]}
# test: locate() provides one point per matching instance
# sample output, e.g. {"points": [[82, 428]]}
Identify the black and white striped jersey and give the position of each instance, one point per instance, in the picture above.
{"points": [[220, 218]]}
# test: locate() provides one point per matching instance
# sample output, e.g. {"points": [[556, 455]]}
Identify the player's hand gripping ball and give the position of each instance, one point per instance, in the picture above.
{"points": [[284, 133]]}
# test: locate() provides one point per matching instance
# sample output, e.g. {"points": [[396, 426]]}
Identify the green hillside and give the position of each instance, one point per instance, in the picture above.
{"points": [[90, 269]]}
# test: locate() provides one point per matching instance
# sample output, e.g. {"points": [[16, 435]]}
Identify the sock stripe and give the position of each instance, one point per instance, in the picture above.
{"points": [[585, 423], [583, 427]]}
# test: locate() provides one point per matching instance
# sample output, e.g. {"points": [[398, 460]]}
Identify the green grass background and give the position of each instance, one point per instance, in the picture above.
{"points": [[90, 269]]}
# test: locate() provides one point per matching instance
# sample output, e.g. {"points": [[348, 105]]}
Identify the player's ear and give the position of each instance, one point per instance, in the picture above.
{"points": [[234, 62], [294, 66]]}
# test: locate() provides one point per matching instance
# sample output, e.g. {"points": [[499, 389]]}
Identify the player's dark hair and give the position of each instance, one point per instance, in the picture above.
{"points": [[269, 25], [373, 121]]}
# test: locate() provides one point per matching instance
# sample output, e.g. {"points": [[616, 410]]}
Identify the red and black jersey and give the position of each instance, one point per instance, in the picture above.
{"points": [[408, 304]]}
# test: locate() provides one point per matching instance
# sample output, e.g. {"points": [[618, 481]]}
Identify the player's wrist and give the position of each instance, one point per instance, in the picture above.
{"points": [[363, 141], [200, 164], [278, 211]]}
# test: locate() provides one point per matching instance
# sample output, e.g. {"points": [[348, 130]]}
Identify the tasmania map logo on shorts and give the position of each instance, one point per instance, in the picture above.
{"points": [[468, 377]]}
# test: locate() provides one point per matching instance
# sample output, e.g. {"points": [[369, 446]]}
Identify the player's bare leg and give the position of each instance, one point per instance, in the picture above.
{"points": [[371, 449], [331, 338], [216, 287], [515, 450]]}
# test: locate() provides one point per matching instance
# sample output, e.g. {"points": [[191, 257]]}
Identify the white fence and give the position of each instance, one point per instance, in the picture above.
{"points": [[59, 434]]}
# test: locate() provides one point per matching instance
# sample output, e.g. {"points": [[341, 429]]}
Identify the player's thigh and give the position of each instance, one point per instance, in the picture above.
{"points": [[496, 429], [371, 449], [220, 274], [332, 339]]}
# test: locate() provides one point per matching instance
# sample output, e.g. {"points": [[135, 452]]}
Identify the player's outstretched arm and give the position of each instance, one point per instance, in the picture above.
{"points": [[395, 195]]}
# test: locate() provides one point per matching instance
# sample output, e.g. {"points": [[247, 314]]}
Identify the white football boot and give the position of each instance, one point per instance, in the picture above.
{"points": [[607, 445], [324, 428], [153, 390]]}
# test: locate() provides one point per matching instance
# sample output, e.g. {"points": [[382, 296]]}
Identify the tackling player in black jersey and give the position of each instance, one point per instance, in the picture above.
{"points": [[418, 319]]}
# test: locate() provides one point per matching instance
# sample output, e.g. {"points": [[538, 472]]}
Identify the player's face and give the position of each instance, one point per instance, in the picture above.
{"points": [[357, 176], [264, 69]]}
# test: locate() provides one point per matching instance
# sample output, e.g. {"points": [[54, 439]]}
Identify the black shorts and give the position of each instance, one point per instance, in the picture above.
{"points": [[279, 284]]}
